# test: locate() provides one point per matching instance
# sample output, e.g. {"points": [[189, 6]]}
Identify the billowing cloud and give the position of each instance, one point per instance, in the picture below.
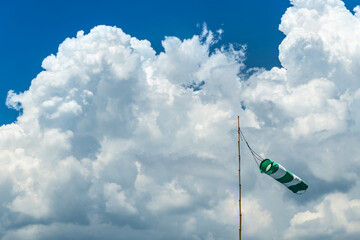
{"points": [[116, 140], [335, 215]]}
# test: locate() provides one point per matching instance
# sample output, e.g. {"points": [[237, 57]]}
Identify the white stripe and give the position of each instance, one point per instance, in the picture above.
{"points": [[279, 173], [295, 181]]}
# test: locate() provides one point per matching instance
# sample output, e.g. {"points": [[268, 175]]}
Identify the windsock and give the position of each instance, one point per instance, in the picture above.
{"points": [[280, 174]]}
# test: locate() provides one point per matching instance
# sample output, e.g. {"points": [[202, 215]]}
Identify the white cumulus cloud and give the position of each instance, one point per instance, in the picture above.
{"points": [[116, 140]]}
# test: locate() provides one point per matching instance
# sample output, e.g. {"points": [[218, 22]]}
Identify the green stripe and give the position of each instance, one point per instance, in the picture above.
{"points": [[302, 186], [288, 177], [274, 168]]}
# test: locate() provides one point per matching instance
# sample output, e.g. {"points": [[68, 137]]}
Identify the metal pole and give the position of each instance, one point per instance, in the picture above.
{"points": [[239, 180]]}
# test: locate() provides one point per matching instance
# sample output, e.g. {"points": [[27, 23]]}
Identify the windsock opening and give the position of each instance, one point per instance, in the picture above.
{"points": [[267, 166]]}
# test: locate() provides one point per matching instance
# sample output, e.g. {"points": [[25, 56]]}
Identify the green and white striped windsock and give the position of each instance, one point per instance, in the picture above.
{"points": [[279, 173]]}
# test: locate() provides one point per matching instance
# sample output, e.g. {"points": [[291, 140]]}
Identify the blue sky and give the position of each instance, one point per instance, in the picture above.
{"points": [[113, 142], [32, 30]]}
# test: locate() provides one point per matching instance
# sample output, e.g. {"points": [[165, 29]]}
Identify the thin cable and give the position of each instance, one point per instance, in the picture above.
{"points": [[257, 157]]}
